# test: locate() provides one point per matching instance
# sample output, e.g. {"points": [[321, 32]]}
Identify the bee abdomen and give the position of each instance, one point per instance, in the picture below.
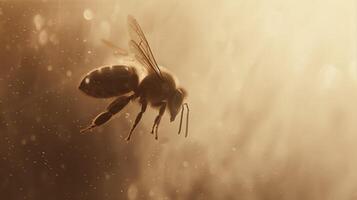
{"points": [[110, 81]]}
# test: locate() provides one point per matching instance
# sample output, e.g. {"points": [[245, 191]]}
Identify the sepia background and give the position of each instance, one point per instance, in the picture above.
{"points": [[272, 90]]}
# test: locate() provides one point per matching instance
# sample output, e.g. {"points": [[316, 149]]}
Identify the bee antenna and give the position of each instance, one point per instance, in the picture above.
{"points": [[187, 118], [182, 109]]}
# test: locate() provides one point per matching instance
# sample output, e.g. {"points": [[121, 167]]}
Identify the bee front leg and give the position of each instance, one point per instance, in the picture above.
{"points": [[157, 120], [113, 108], [138, 117]]}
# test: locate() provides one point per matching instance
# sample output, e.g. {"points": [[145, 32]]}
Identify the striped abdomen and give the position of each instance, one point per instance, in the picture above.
{"points": [[110, 81]]}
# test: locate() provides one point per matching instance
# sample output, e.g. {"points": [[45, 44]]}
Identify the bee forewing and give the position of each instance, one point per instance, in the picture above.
{"points": [[140, 56], [138, 37]]}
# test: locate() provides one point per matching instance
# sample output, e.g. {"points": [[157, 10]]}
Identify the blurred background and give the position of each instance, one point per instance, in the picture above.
{"points": [[272, 91]]}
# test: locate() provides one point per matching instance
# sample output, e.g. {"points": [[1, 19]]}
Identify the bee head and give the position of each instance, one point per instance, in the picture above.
{"points": [[175, 102]]}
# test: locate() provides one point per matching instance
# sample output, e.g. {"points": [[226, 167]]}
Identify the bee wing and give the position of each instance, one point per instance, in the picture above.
{"points": [[140, 56], [117, 50], [141, 46]]}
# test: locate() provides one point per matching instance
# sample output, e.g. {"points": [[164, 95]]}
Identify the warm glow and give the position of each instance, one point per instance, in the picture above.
{"points": [[272, 89]]}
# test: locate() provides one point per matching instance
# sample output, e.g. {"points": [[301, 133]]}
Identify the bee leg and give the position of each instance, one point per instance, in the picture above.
{"points": [[99, 120], [113, 108], [157, 120], [138, 117]]}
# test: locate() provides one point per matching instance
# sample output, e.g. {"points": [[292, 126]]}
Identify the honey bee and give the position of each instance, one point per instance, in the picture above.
{"points": [[158, 88]]}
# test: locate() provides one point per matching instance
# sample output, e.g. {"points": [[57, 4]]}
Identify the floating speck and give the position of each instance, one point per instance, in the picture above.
{"points": [[39, 21], [23, 142], [54, 39], [33, 138], [88, 14], [43, 37], [151, 193], [132, 192], [107, 176], [185, 164], [49, 68], [87, 80], [68, 73]]}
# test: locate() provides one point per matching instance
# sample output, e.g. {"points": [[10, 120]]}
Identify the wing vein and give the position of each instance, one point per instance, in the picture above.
{"points": [[142, 45]]}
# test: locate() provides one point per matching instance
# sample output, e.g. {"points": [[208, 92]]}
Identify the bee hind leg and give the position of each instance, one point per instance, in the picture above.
{"points": [[99, 120], [157, 121], [113, 108]]}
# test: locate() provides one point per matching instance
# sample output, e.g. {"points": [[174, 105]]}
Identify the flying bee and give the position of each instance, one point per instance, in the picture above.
{"points": [[158, 88]]}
